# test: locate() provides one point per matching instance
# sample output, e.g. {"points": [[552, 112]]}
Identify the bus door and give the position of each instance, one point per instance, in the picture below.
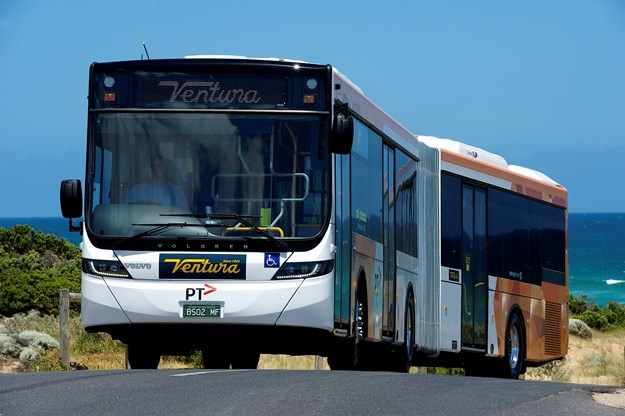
{"points": [[474, 279], [342, 273], [388, 207]]}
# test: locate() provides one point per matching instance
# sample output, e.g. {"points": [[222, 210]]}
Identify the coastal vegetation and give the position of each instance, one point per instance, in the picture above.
{"points": [[34, 267]]}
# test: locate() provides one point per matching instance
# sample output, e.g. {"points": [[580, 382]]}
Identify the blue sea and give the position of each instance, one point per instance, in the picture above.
{"points": [[596, 251]]}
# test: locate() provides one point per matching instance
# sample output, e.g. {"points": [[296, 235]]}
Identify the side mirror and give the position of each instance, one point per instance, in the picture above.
{"points": [[71, 201], [342, 135]]}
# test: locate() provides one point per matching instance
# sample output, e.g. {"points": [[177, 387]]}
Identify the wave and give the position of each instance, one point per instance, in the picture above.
{"points": [[614, 281]]}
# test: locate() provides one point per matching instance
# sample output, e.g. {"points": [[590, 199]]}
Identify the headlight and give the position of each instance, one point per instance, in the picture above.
{"points": [[304, 270], [105, 268]]}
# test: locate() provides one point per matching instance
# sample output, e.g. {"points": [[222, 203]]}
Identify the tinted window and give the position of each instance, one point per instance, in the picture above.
{"points": [[553, 239], [406, 204], [451, 227], [367, 182], [526, 238]]}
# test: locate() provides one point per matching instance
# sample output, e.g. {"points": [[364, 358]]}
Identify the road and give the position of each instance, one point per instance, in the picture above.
{"points": [[269, 392]]}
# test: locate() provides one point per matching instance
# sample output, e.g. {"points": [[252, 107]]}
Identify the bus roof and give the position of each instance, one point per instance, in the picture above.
{"points": [[246, 58], [485, 156]]}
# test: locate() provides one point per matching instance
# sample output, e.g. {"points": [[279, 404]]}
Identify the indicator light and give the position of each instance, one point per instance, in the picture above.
{"points": [[110, 97], [309, 99]]}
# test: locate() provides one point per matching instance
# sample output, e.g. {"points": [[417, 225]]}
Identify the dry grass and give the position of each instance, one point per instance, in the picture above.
{"points": [[114, 361], [287, 362], [600, 360]]}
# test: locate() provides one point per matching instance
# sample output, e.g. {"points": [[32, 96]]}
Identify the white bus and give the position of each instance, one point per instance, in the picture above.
{"points": [[244, 206]]}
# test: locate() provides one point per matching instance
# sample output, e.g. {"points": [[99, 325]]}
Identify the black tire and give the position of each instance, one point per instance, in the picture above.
{"points": [[342, 357], [337, 359], [513, 364], [141, 357], [215, 359], [245, 360], [402, 359], [350, 354]]}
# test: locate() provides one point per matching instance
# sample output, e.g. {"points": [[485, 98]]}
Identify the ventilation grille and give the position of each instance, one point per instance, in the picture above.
{"points": [[553, 325]]}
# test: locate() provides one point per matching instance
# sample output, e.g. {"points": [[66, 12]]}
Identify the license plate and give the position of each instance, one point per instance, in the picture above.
{"points": [[202, 310]]}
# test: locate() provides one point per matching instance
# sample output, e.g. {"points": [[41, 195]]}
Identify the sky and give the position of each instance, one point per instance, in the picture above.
{"points": [[540, 82]]}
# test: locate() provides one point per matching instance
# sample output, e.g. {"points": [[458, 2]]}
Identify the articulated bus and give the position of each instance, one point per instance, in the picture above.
{"points": [[240, 207]]}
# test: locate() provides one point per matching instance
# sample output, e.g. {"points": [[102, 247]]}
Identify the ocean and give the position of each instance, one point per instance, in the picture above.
{"points": [[597, 256], [596, 251]]}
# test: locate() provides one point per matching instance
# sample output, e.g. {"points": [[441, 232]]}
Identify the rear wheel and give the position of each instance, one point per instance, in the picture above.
{"points": [[513, 364]]}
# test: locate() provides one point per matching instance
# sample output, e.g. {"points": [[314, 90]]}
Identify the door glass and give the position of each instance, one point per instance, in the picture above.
{"points": [[480, 291], [467, 269], [474, 285], [388, 309]]}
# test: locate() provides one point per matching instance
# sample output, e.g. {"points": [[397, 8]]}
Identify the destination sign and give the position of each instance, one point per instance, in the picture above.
{"points": [[210, 92], [227, 89], [202, 91]]}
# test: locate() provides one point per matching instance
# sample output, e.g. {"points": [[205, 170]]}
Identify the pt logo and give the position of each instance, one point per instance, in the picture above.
{"points": [[198, 292]]}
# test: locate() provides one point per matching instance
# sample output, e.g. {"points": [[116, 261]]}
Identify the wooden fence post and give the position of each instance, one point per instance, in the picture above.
{"points": [[64, 324], [64, 299]]}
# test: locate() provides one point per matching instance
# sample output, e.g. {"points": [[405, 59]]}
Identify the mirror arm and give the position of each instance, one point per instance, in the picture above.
{"points": [[74, 228]]}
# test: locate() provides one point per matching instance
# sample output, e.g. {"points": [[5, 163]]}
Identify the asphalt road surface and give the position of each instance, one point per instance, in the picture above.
{"points": [[269, 392]]}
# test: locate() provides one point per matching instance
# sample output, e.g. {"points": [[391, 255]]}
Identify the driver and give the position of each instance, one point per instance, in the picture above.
{"points": [[156, 189]]}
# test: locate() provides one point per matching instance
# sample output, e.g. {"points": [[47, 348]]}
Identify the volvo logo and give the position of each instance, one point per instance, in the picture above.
{"points": [[138, 266]]}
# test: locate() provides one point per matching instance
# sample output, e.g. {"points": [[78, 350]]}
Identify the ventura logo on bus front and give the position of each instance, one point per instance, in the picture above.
{"points": [[209, 92], [209, 266]]}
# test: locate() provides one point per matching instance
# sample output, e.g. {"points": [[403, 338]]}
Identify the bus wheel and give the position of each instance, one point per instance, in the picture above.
{"points": [[140, 357], [349, 354], [513, 364], [215, 359], [245, 360], [403, 356]]}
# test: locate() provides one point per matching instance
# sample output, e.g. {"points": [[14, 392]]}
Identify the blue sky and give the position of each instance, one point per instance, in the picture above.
{"points": [[540, 82]]}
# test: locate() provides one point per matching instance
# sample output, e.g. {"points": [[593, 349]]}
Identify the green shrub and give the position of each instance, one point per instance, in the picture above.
{"points": [[595, 320], [608, 318], [581, 304], [9, 347], [29, 354], [33, 268], [95, 343], [615, 313], [37, 340]]}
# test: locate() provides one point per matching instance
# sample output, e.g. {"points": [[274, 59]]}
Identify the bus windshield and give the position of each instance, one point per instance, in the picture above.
{"points": [[205, 170]]}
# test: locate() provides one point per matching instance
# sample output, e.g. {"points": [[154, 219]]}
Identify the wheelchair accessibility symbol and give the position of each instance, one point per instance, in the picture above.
{"points": [[272, 260]]}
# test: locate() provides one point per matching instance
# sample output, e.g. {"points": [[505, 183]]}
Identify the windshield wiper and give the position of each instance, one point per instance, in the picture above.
{"points": [[156, 230], [241, 218]]}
